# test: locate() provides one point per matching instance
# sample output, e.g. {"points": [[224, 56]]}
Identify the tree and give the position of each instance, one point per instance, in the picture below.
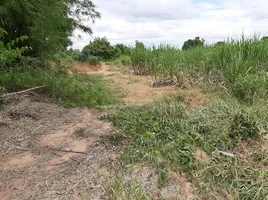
{"points": [[124, 50], [192, 43], [139, 44], [219, 43], [265, 38], [48, 23], [100, 47]]}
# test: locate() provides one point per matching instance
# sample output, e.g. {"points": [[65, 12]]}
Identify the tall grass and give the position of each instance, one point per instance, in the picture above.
{"points": [[71, 90], [237, 60]]}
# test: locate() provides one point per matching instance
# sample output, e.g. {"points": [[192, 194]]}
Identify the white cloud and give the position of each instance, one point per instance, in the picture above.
{"points": [[174, 21]]}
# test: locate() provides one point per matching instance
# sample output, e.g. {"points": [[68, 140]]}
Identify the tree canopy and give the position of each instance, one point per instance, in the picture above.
{"points": [[48, 23], [101, 48], [191, 43]]}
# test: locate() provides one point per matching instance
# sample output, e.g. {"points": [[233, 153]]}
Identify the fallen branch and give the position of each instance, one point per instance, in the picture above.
{"points": [[67, 151], [20, 92]]}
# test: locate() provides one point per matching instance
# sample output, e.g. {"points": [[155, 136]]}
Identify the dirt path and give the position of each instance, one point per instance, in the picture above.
{"points": [[51, 152], [138, 89], [38, 144]]}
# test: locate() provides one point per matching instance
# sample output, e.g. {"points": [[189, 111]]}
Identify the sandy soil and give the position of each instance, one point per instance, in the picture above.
{"points": [[138, 89]]}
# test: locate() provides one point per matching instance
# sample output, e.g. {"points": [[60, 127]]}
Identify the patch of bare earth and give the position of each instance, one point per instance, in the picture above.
{"points": [[139, 90], [178, 187], [50, 152]]}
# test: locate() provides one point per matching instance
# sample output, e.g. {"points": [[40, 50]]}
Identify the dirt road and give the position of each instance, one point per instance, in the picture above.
{"points": [[51, 152]]}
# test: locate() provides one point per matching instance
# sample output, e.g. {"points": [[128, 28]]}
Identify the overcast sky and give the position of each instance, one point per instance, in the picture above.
{"points": [[174, 21]]}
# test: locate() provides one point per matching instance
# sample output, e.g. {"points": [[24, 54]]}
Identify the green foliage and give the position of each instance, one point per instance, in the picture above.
{"points": [[250, 87], [244, 126], [71, 56], [48, 23], [93, 60], [140, 57], [70, 90], [123, 60], [165, 135], [242, 65], [261, 156], [219, 43], [75, 54], [124, 50], [197, 42], [227, 177], [159, 135], [9, 53], [100, 47]]}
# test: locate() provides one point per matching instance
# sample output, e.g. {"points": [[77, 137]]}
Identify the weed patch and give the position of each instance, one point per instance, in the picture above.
{"points": [[165, 135], [70, 90]]}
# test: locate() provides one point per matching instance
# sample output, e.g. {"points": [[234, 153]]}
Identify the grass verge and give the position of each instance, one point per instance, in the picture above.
{"points": [[71, 90]]}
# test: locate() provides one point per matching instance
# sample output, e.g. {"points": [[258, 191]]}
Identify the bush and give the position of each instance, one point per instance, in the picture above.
{"points": [[10, 54], [100, 47], [93, 60], [244, 126]]}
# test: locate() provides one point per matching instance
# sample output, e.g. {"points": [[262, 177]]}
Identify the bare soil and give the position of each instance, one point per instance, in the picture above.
{"points": [[139, 89], [51, 152]]}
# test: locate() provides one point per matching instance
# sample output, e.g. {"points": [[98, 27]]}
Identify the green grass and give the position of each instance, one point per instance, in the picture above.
{"points": [[166, 135], [128, 190], [69, 90], [123, 60], [242, 63]]}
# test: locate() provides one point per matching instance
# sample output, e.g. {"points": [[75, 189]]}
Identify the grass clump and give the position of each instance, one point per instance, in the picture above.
{"points": [[69, 89], [229, 178], [126, 190], [165, 135]]}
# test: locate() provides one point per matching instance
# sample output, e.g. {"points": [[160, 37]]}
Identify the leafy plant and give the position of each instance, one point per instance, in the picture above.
{"points": [[48, 33], [197, 42], [99, 47], [9, 53], [93, 60], [244, 126]]}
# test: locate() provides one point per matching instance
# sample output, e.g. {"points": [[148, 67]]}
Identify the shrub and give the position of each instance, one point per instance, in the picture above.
{"points": [[100, 47], [9, 53], [244, 126], [93, 60]]}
